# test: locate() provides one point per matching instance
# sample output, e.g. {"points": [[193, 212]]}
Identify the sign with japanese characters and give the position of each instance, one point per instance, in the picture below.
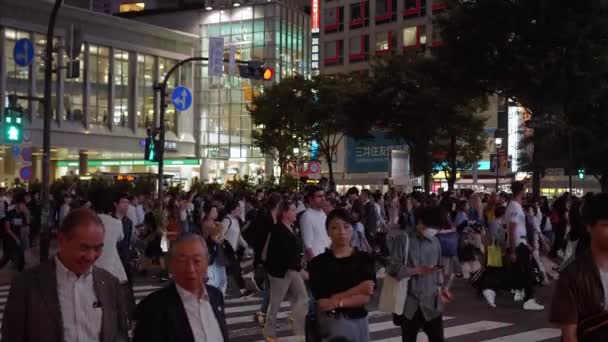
{"points": [[371, 155]]}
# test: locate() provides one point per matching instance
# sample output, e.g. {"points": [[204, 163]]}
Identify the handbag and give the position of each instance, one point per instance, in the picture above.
{"points": [[494, 256], [394, 291], [594, 328]]}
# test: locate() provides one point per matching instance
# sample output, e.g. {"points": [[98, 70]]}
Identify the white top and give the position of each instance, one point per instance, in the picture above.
{"points": [[109, 259], [515, 215], [132, 215], [81, 311], [203, 322], [140, 213], [314, 234], [232, 232]]}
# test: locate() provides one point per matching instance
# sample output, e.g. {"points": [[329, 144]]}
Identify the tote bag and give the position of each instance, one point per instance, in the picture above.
{"points": [[394, 291], [494, 256]]}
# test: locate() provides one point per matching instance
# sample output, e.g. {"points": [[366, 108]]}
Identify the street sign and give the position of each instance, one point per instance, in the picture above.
{"points": [[23, 52], [25, 173], [181, 98], [314, 170], [216, 56], [15, 151], [26, 154]]}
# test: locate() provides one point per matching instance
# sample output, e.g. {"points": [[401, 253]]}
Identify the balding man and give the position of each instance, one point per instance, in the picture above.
{"points": [[187, 310], [67, 299]]}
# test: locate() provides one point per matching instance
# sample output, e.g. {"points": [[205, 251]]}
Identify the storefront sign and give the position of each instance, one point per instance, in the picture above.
{"points": [[370, 155], [315, 16], [315, 19], [97, 163]]}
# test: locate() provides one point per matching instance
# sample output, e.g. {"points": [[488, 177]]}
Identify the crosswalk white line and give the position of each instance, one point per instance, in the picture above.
{"points": [[455, 331], [240, 300], [529, 336], [247, 308]]}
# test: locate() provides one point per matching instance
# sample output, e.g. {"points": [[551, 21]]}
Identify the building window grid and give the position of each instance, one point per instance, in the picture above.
{"points": [[165, 64], [414, 8], [145, 92], [389, 15], [18, 78], [385, 42], [120, 115], [99, 63], [362, 53], [414, 37], [359, 14], [39, 65], [337, 24], [337, 57], [73, 98]]}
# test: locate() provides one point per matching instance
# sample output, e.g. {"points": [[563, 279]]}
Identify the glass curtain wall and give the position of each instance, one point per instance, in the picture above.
{"points": [[18, 77], [271, 33], [99, 68], [121, 88], [73, 92], [164, 65], [39, 64], [145, 93]]}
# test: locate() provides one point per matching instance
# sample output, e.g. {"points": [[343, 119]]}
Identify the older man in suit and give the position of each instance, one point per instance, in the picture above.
{"points": [[186, 310], [67, 299]]}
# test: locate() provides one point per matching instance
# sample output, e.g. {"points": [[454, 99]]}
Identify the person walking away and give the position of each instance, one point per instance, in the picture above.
{"points": [[426, 295], [536, 239], [559, 223], [580, 298], [67, 298], [342, 281], [520, 252], [186, 310], [14, 221], [232, 233], [125, 246], [212, 233], [284, 261], [494, 277], [359, 240], [65, 208]]}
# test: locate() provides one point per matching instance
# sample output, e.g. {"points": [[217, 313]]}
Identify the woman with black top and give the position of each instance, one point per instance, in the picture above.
{"points": [[342, 280], [283, 261]]}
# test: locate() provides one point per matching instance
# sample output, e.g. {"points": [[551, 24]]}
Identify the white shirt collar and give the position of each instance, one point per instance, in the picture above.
{"points": [[66, 273], [186, 295]]}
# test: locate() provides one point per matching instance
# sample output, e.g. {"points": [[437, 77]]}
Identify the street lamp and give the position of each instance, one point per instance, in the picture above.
{"points": [[498, 143]]}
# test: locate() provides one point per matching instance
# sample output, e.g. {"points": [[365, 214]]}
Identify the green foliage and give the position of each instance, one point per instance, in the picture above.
{"points": [[244, 185], [416, 98]]}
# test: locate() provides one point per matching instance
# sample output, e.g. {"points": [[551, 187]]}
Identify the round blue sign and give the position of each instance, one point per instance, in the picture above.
{"points": [[25, 173], [181, 98], [23, 53]]}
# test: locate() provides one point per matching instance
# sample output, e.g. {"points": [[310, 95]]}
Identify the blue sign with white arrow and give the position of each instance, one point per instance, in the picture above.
{"points": [[181, 98], [23, 52]]}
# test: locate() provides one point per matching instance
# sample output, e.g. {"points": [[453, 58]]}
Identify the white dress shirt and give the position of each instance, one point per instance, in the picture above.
{"points": [[109, 259], [80, 308], [314, 233], [203, 322], [141, 214]]}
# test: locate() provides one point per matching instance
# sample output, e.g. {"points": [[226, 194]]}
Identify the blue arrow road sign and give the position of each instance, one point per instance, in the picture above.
{"points": [[23, 53], [181, 98]]}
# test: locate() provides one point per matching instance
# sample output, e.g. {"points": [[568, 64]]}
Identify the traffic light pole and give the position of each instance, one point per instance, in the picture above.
{"points": [[45, 231], [162, 89]]}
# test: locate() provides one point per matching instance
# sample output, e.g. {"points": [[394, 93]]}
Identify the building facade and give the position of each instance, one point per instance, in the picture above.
{"points": [[275, 33], [99, 118]]}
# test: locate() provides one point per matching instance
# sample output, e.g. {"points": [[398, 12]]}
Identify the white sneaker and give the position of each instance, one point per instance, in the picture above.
{"points": [[518, 295], [381, 273], [532, 305], [490, 297]]}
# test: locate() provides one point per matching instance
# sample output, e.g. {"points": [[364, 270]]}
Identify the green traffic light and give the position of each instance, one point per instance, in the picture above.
{"points": [[12, 134], [152, 150]]}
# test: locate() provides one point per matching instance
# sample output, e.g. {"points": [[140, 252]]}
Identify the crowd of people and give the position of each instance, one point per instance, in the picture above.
{"points": [[323, 251]]}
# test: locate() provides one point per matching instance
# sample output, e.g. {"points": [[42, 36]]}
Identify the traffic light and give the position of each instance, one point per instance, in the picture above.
{"points": [[581, 173], [256, 71], [13, 125], [152, 150]]}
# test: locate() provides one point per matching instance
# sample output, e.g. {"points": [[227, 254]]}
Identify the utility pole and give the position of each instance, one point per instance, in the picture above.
{"points": [[45, 236]]}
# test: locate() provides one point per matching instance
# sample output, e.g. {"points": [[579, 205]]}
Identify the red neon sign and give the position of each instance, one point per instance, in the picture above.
{"points": [[315, 16]]}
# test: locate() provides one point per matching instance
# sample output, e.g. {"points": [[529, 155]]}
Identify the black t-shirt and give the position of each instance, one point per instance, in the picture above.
{"points": [[16, 220], [330, 275]]}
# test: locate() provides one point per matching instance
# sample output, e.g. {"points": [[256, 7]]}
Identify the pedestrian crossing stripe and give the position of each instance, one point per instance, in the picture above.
{"points": [[240, 319]]}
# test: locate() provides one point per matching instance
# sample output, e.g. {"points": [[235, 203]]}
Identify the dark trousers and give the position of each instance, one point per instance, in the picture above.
{"points": [[559, 239], [433, 328], [523, 271], [12, 252], [234, 270]]}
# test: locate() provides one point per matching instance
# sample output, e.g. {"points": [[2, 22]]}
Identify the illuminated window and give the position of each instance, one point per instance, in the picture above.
{"points": [[136, 7], [414, 36]]}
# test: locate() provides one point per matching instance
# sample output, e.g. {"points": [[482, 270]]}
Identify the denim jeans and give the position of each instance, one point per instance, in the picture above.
{"points": [[217, 277]]}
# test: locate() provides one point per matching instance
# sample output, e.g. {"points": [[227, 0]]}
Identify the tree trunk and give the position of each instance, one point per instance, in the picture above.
{"points": [[452, 164], [330, 167], [427, 182], [536, 182]]}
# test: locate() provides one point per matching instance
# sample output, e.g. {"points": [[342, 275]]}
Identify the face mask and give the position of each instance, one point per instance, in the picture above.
{"points": [[430, 233]]}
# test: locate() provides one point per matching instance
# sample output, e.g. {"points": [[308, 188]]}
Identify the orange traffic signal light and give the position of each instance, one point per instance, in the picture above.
{"points": [[268, 74]]}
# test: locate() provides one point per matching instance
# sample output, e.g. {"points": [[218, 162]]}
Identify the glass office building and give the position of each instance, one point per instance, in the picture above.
{"points": [[273, 33]]}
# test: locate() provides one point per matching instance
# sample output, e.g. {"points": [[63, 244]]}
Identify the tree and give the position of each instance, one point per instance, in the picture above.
{"points": [[278, 110], [542, 54], [418, 101], [339, 109]]}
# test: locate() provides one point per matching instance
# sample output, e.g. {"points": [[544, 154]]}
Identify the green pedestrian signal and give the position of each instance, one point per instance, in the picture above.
{"points": [[581, 173], [13, 126], [151, 153]]}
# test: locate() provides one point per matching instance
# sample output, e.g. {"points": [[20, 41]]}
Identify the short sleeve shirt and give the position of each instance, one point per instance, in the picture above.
{"points": [[515, 214]]}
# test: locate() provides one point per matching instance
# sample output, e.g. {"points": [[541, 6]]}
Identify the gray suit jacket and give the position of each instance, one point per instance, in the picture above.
{"points": [[33, 314]]}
